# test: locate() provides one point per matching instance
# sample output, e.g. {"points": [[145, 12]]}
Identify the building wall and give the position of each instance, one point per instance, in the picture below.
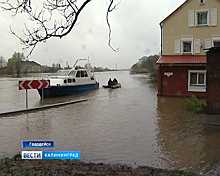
{"points": [[34, 68], [176, 25], [213, 82], [30, 66], [176, 84]]}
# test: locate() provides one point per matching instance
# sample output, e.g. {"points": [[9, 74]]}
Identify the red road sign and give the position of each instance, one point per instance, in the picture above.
{"points": [[34, 84]]}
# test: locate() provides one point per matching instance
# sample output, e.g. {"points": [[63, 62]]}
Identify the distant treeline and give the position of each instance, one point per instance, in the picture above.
{"points": [[100, 69], [13, 65], [146, 64], [17, 64]]}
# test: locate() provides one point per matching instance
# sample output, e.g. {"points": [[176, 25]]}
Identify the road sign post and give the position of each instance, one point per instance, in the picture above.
{"points": [[42, 100], [33, 84], [26, 99]]}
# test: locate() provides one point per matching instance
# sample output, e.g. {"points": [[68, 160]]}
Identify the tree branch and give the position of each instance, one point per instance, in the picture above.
{"points": [[111, 7], [69, 11]]}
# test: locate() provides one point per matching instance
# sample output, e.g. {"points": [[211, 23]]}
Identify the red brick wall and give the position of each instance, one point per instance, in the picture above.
{"points": [[177, 84], [213, 81]]}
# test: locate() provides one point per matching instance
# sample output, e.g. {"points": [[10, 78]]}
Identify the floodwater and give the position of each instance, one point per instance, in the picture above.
{"points": [[129, 125]]}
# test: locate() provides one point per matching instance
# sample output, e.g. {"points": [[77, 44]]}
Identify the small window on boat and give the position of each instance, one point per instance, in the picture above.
{"points": [[78, 74], [65, 81], [74, 80], [69, 80], [82, 74], [85, 73]]}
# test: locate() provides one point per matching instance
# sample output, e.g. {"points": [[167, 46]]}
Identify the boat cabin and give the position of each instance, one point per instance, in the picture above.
{"points": [[69, 77]]}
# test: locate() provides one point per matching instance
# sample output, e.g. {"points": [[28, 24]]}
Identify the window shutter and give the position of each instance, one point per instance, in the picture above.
{"points": [[207, 43], [177, 46], [191, 18], [197, 46], [213, 17]]}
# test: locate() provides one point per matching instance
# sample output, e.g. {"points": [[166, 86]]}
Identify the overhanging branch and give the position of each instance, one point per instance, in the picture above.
{"points": [[68, 10], [111, 7]]}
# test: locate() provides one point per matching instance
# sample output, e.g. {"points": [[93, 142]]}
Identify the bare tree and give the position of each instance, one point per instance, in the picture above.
{"points": [[15, 63], [66, 13], [3, 62]]}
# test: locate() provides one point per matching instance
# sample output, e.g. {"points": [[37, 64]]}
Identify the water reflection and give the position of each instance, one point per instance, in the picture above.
{"points": [[36, 123], [130, 125], [185, 142]]}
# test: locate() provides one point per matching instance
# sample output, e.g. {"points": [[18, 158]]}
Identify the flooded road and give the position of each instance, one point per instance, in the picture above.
{"points": [[130, 125]]}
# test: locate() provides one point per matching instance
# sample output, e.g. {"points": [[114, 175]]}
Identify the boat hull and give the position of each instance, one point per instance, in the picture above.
{"points": [[118, 85], [55, 91]]}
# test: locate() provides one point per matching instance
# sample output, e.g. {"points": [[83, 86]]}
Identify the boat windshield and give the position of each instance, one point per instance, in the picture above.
{"points": [[58, 72], [62, 73]]}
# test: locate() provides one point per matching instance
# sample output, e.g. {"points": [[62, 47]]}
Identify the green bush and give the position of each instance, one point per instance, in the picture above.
{"points": [[194, 105]]}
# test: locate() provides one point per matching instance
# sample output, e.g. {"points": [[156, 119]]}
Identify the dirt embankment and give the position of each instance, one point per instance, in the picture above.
{"points": [[17, 166]]}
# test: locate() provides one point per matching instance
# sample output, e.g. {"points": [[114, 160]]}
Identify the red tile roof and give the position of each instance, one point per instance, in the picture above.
{"points": [[182, 59]]}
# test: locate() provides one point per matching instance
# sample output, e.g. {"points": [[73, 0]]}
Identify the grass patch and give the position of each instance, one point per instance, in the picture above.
{"points": [[27, 171], [194, 105], [24, 171], [181, 173], [13, 166]]}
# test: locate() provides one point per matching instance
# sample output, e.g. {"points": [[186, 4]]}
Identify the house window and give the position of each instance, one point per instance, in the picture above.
{"points": [[187, 44], [187, 47], [197, 80], [202, 17], [216, 43]]}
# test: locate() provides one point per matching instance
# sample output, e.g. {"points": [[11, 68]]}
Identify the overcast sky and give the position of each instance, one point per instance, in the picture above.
{"points": [[135, 30]]}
